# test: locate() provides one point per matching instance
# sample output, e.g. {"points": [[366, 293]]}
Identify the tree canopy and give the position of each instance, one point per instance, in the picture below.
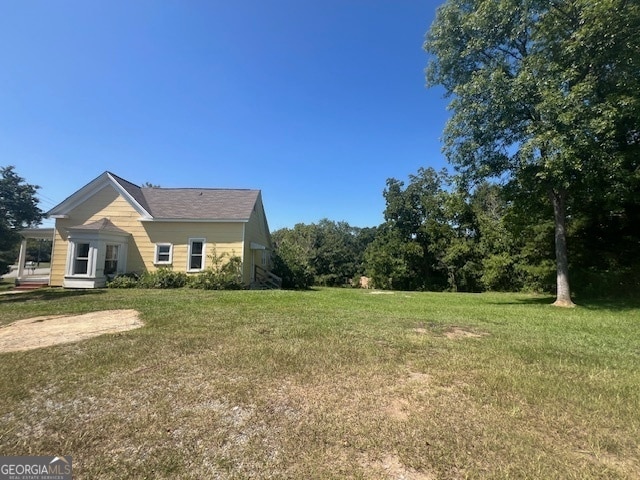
{"points": [[327, 253], [544, 96], [18, 209]]}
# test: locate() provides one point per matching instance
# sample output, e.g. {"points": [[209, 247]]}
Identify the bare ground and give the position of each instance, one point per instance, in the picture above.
{"points": [[38, 332]]}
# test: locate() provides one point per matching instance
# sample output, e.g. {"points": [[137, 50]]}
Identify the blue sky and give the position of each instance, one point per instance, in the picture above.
{"points": [[316, 103]]}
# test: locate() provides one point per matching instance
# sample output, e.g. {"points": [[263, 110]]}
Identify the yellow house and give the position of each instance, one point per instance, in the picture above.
{"points": [[111, 226]]}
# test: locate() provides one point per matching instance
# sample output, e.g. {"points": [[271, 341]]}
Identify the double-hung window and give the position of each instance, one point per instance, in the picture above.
{"points": [[164, 254], [81, 259], [111, 259], [196, 254]]}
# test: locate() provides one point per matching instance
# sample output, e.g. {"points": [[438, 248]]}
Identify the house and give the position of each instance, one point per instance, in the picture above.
{"points": [[111, 226]]}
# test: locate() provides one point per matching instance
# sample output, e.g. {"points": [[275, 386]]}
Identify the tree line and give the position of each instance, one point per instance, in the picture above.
{"points": [[544, 137], [440, 236]]}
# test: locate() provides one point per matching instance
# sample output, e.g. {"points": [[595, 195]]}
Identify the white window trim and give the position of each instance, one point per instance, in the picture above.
{"points": [[72, 256], [159, 262], [204, 254], [117, 258]]}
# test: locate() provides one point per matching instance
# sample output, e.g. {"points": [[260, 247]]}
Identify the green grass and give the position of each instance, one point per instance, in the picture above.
{"points": [[333, 383]]}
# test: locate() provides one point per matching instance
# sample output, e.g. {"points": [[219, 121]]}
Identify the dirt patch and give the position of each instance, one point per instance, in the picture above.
{"points": [[458, 332], [50, 330], [392, 468], [452, 333], [397, 409]]}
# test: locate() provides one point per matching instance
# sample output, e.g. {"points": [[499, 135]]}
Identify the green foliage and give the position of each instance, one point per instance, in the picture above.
{"points": [[440, 236], [327, 253], [291, 263], [389, 261], [128, 280], [39, 250], [18, 210], [536, 277], [431, 237], [163, 277], [544, 95], [224, 273]]}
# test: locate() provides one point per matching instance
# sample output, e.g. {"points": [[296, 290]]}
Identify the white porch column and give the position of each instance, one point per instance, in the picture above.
{"points": [[22, 257]]}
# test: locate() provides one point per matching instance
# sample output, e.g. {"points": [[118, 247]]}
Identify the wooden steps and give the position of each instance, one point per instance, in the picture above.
{"points": [[31, 284], [265, 280]]}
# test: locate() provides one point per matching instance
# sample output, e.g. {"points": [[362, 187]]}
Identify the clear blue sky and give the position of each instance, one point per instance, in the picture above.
{"points": [[316, 103]]}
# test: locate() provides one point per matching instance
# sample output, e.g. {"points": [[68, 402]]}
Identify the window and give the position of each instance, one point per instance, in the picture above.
{"points": [[111, 260], [81, 259], [196, 254], [164, 254]]}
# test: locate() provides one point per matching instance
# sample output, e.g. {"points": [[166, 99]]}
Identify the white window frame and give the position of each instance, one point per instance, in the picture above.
{"points": [[156, 259], [204, 254], [89, 259], [118, 248]]}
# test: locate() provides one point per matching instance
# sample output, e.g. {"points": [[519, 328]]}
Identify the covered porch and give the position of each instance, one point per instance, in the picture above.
{"points": [[28, 273]]}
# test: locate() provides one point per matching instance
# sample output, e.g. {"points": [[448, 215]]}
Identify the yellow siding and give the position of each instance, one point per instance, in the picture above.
{"points": [[107, 203], [256, 230], [221, 238], [58, 258]]}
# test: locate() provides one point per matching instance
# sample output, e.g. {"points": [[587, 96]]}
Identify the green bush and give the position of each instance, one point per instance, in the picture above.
{"points": [[163, 278], [220, 275], [290, 264], [127, 280]]}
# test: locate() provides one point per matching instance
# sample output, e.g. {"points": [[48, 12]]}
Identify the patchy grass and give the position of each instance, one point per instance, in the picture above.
{"points": [[7, 284], [329, 384]]}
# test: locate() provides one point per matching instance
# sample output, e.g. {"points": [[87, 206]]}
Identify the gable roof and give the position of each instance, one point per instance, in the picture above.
{"points": [[132, 189], [196, 203], [169, 204]]}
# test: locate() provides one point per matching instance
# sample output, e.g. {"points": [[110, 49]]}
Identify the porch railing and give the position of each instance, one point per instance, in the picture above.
{"points": [[267, 279]]}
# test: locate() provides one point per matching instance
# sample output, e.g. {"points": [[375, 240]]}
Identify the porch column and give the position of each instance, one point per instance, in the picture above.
{"points": [[22, 257]]}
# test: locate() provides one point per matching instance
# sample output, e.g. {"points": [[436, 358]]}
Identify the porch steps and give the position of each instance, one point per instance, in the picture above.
{"points": [[33, 284], [266, 280]]}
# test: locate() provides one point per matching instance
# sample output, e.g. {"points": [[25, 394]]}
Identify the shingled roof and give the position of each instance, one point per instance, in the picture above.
{"points": [[198, 204], [192, 203]]}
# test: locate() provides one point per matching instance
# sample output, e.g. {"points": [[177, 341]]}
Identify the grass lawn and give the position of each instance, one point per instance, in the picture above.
{"points": [[333, 383]]}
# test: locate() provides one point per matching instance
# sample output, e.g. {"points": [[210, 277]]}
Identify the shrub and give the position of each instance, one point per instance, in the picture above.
{"points": [[290, 264], [163, 278], [221, 274], [127, 280]]}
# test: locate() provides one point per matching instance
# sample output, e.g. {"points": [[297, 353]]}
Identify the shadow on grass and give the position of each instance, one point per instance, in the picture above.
{"points": [[612, 303], [48, 294], [622, 303], [537, 300]]}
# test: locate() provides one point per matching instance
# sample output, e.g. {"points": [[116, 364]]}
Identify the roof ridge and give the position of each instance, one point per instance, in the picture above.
{"points": [[135, 191], [202, 188], [124, 180]]}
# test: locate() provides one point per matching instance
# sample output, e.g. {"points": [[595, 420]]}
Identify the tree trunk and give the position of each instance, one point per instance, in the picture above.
{"points": [[563, 298]]}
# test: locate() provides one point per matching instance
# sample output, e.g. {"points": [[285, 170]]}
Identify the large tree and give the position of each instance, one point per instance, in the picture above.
{"points": [[544, 95], [18, 210]]}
